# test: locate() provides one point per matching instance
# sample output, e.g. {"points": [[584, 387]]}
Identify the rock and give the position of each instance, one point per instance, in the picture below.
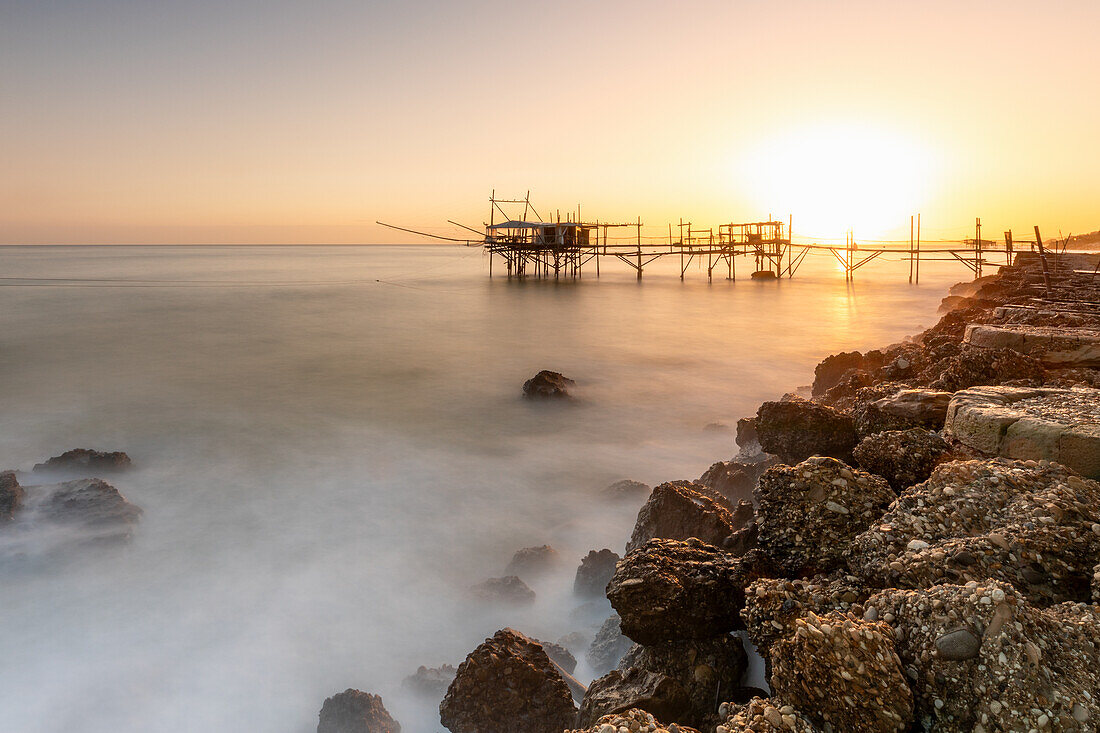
{"points": [[843, 673], [1055, 347], [1033, 669], [829, 372], [533, 562], [430, 682], [773, 605], [690, 674], [746, 438], [904, 409], [507, 683], [509, 589], [11, 495], [735, 480], [761, 715], [796, 429], [352, 711], [808, 514], [1017, 522], [594, 573], [631, 721], [85, 461], [626, 490], [575, 641], [669, 590], [743, 540], [609, 646], [547, 385], [1039, 423], [559, 655], [902, 457], [1096, 585], [973, 366], [681, 509]]}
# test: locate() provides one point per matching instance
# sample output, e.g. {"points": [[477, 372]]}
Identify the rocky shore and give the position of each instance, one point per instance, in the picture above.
{"points": [[912, 545]]}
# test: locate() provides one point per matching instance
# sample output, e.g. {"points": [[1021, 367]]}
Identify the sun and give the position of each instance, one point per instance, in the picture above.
{"points": [[838, 176]]}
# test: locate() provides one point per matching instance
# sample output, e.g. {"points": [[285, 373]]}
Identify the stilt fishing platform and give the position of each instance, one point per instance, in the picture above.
{"points": [[529, 246]]}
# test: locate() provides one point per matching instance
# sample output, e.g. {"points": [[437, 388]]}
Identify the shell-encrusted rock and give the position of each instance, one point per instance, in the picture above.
{"points": [[632, 721], [773, 605], [761, 715], [902, 457]]}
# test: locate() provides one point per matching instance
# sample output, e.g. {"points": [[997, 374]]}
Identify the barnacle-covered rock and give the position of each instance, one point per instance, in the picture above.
{"points": [[808, 514], [1034, 526], [902, 457], [795, 429], [773, 605], [634, 721], [763, 715], [843, 673], [681, 509]]}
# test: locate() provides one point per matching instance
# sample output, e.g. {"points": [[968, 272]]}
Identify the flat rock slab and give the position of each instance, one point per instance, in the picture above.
{"points": [[1061, 425], [1055, 347]]}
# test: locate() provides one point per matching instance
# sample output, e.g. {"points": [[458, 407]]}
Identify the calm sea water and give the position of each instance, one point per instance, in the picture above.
{"points": [[331, 448]]}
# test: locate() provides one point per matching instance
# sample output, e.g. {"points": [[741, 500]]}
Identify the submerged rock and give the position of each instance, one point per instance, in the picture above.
{"points": [[626, 490], [669, 590], [843, 673], [609, 646], [508, 683], [532, 562], [979, 657], [681, 509], [796, 429], [595, 571], [902, 457], [547, 385], [430, 682], [808, 514], [1034, 526], [11, 495], [509, 589], [352, 711], [559, 655], [85, 461]]}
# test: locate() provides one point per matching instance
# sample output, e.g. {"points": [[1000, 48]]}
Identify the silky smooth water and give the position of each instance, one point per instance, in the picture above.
{"points": [[330, 448]]}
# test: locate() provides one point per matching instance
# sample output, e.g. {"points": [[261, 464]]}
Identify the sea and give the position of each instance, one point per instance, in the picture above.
{"points": [[330, 448]]}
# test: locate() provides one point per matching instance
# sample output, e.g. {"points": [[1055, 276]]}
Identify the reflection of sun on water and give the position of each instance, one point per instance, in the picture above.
{"points": [[839, 176]]}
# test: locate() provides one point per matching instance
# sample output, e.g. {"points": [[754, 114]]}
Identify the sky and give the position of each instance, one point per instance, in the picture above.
{"points": [[234, 121]]}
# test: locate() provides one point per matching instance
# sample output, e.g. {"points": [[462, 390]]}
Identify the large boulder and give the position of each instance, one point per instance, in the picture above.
{"points": [[681, 509], [84, 461], [533, 562], [1055, 347], [11, 495], [760, 715], [1034, 526], [808, 514], [430, 682], [352, 711], [669, 590], [735, 480], [1042, 423], [773, 605], [973, 366], [632, 721], [979, 657], [595, 571], [842, 671], [508, 684], [829, 372], [547, 385], [902, 457], [608, 647], [903, 409], [796, 429], [509, 590]]}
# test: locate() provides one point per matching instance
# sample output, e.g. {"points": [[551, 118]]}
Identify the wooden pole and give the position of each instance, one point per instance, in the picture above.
{"points": [[910, 250], [1043, 258], [639, 248], [918, 251]]}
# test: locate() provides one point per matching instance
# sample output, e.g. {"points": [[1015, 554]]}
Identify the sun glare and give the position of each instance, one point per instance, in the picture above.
{"points": [[838, 177]]}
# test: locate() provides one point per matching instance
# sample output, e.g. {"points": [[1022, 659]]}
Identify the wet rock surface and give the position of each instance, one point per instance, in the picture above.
{"points": [[681, 509], [669, 590], [608, 647], [353, 711], [1034, 526], [84, 461], [509, 590], [547, 385], [808, 514], [979, 657], [796, 429], [902, 457], [842, 672], [594, 573], [508, 683]]}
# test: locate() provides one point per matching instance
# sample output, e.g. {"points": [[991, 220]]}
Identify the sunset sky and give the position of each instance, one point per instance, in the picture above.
{"points": [[205, 121]]}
